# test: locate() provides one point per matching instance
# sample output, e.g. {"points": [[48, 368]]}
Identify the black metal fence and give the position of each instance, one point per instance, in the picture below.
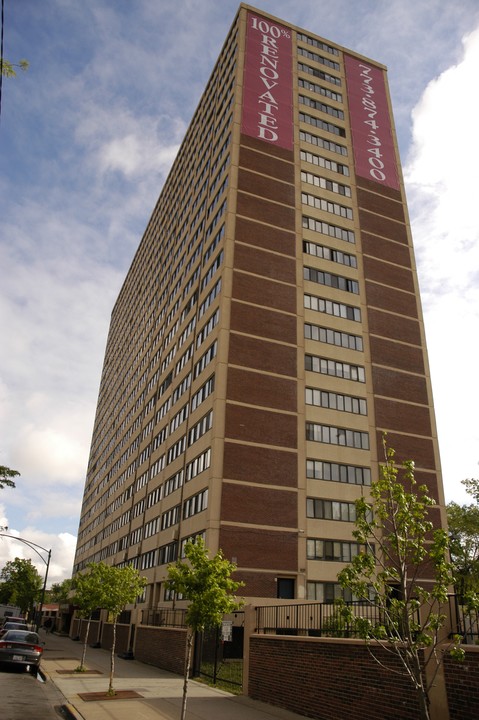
{"points": [[329, 620], [168, 617]]}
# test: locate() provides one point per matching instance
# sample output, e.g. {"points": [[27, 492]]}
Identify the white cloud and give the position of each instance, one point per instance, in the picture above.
{"points": [[442, 181]]}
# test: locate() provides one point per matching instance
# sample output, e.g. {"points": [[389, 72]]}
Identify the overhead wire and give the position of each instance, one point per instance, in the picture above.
{"points": [[1, 52]]}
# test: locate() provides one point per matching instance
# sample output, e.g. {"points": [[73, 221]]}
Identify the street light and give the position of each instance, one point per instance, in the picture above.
{"points": [[34, 547]]}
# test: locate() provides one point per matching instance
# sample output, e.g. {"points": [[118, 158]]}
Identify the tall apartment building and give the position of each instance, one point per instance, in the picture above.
{"points": [[269, 330]]}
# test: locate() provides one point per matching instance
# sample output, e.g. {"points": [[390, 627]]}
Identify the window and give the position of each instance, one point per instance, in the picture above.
{"points": [[331, 337], [330, 280], [326, 206], [331, 435], [319, 59], [327, 253], [203, 393], [170, 517], [322, 124], [324, 143], [330, 510], [322, 107], [325, 592], [198, 465], [195, 504], [317, 43], [325, 228], [204, 360], [319, 89], [335, 401], [324, 183], [207, 328], [348, 312], [200, 428], [334, 472], [333, 550], [325, 366]]}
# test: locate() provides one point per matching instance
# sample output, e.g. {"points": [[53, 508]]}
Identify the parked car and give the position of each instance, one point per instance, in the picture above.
{"points": [[13, 618], [21, 648], [12, 626]]}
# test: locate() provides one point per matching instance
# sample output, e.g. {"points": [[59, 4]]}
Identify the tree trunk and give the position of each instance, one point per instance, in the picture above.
{"points": [[82, 661], [111, 690], [189, 645]]}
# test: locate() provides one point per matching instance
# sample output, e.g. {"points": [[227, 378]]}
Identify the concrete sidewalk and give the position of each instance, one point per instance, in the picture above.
{"points": [[158, 692]]}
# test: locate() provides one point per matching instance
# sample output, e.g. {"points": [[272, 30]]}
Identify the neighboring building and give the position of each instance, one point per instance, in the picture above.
{"points": [[269, 330]]}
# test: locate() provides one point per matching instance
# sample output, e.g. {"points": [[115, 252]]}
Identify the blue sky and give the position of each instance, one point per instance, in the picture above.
{"points": [[87, 137]]}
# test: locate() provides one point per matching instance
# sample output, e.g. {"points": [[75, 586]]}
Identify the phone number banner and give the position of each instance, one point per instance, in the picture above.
{"points": [[373, 147]]}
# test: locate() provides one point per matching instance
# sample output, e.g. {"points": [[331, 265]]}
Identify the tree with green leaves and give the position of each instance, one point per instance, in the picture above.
{"points": [[407, 616], [6, 475], [8, 68], [60, 592], [122, 586], [208, 586], [463, 522], [20, 584], [89, 595]]}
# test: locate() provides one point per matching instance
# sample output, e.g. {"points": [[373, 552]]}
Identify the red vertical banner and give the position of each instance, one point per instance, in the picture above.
{"points": [[371, 129], [268, 82]]}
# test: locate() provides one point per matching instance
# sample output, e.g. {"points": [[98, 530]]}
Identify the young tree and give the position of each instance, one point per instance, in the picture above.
{"points": [[463, 522], [400, 542], [89, 595], [207, 584], [21, 584], [122, 586], [6, 475], [60, 592]]}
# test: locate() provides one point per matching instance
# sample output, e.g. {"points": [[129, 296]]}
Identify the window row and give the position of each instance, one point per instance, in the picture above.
{"points": [[322, 107], [330, 280], [322, 124], [318, 73], [323, 143], [348, 312], [335, 401], [325, 163], [333, 550], [332, 337], [320, 90], [335, 472], [331, 435], [326, 205], [324, 183], [334, 368], [317, 43], [319, 509], [327, 253], [326, 229], [328, 592], [320, 59]]}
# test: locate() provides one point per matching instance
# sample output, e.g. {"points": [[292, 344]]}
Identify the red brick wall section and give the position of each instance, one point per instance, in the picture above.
{"points": [[79, 628], [328, 680], [122, 636], [462, 684], [162, 647]]}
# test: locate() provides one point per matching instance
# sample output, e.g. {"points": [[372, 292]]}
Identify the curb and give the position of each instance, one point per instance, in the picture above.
{"points": [[70, 713]]}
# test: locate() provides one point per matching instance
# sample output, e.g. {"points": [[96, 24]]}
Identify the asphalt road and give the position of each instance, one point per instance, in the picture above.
{"points": [[24, 697]]}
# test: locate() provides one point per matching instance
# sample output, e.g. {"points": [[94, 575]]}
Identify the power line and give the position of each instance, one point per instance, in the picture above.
{"points": [[1, 52]]}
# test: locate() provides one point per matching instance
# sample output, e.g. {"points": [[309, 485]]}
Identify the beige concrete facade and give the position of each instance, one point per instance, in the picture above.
{"points": [[268, 332]]}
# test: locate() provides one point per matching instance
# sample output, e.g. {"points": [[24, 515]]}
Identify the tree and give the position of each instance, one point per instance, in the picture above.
{"points": [[89, 595], [22, 584], [6, 476], [208, 586], [8, 68], [60, 592], [400, 542], [122, 586], [463, 522]]}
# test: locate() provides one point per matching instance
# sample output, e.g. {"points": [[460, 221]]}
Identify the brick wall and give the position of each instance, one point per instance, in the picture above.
{"points": [[162, 647], [462, 684], [327, 678], [122, 637]]}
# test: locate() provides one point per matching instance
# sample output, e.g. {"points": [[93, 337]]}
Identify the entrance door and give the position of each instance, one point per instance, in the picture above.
{"points": [[285, 588]]}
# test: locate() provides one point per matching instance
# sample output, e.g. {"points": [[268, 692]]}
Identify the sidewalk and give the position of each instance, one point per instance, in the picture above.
{"points": [[158, 692]]}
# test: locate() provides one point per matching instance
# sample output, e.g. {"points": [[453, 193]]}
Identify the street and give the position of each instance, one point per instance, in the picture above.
{"points": [[24, 697]]}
